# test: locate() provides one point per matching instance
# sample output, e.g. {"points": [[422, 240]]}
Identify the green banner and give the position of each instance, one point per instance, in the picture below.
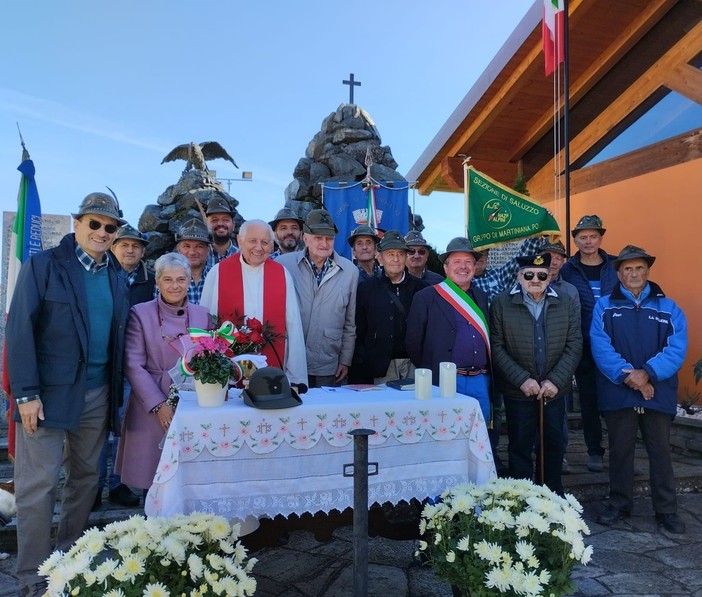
{"points": [[498, 214]]}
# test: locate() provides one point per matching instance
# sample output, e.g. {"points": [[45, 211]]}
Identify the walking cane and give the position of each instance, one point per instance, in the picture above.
{"points": [[541, 401]]}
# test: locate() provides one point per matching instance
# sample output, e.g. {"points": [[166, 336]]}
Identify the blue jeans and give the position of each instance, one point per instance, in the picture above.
{"points": [[109, 448], [523, 427], [478, 387]]}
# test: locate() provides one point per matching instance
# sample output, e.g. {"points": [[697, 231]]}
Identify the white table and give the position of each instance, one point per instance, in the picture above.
{"points": [[239, 461]]}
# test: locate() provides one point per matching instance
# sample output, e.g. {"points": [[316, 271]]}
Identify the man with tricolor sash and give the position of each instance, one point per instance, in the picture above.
{"points": [[448, 322], [254, 286]]}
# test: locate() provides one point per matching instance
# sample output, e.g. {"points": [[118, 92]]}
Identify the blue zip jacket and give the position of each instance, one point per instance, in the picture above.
{"points": [[649, 333], [573, 272]]}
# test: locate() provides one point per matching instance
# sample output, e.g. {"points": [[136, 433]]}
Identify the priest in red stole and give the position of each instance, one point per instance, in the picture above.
{"points": [[249, 284]]}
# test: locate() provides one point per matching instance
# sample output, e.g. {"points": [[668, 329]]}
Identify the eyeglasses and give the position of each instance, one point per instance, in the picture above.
{"points": [[95, 225], [420, 251], [543, 276]]}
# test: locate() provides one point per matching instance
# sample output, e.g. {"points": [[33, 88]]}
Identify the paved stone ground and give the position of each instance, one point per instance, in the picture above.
{"points": [[632, 557]]}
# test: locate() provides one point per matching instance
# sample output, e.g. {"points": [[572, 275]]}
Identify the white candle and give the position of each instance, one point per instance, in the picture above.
{"points": [[422, 384], [447, 379]]}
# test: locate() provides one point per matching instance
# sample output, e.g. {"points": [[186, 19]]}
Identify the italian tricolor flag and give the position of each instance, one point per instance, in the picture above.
{"points": [[552, 32], [24, 242]]}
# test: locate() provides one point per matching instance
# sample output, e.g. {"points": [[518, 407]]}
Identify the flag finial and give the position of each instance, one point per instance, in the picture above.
{"points": [[25, 153]]}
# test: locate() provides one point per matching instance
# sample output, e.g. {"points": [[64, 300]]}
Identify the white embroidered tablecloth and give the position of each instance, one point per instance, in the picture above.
{"points": [[239, 461]]}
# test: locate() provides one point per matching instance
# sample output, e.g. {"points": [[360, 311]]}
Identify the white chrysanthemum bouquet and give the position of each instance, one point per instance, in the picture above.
{"points": [[506, 537], [194, 556]]}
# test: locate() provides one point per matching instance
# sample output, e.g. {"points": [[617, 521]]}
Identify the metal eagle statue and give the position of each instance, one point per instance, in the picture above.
{"points": [[196, 154]]}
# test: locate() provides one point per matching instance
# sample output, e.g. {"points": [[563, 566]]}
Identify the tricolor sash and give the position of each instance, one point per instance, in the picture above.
{"points": [[231, 303], [466, 306]]}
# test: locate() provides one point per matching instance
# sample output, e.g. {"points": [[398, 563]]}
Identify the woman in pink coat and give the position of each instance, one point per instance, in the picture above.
{"points": [[151, 342]]}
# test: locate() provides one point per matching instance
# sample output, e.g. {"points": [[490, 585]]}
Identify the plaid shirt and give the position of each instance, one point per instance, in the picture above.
{"points": [[319, 273], [363, 275], [132, 276], [215, 257], [89, 263], [501, 278], [195, 290], [277, 253]]}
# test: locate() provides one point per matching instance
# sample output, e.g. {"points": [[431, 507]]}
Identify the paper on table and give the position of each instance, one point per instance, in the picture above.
{"points": [[361, 387]]}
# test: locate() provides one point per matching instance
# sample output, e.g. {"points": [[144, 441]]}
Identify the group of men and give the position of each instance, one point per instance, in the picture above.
{"points": [[329, 318]]}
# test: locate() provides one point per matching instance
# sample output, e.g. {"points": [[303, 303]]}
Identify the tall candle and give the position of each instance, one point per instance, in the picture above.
{"points": [[447, 379], [422, 384]]}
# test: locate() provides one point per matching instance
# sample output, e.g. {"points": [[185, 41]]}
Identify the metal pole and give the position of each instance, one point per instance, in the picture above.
{"points": [[566, 118], [360, 508]]}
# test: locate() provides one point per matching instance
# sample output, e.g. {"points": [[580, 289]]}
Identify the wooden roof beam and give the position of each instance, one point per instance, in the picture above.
{"points": [[499, 101], [681, 53], [649, 16], [686, 80], [452, 171]]}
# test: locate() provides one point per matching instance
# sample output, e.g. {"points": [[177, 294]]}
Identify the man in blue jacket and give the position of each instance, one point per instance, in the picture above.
{"points": [[590, 271], [639, 341], [65, 338]]}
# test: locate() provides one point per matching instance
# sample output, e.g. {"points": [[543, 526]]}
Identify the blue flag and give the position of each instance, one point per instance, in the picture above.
{"points": [[349, 204], [26, 231], [24, 242]]}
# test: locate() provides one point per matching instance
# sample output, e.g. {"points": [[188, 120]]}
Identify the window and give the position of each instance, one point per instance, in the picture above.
{"points": [[672, 115]]}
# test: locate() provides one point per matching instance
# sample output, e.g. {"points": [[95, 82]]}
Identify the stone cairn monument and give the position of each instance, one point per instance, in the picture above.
{"points": [[337, 153], [179, 202]]}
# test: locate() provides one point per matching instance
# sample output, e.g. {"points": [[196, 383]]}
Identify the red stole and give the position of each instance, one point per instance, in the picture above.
{"points": [[231, 303]]}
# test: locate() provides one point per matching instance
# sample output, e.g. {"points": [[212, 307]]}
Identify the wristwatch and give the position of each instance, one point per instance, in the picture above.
{"points": [[25, 399]]}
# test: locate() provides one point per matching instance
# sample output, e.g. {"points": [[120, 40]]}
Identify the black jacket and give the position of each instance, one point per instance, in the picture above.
{"points": [[142, 290], [381, 324]]}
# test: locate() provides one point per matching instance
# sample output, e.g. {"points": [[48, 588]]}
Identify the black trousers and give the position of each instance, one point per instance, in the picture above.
{"points": [[523, 427], [589, 409], [655, 432]]}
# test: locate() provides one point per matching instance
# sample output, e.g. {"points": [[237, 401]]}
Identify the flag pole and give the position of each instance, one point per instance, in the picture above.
{"points": [[466, 159], [566, 118]]}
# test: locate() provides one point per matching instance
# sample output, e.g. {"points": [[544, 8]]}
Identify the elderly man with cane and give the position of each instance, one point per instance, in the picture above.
{"points": [[536, 344]]}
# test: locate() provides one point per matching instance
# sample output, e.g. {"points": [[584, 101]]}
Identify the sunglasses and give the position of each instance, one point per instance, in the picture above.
{"points": [[543, 276], [420, 251], [95, 225]]}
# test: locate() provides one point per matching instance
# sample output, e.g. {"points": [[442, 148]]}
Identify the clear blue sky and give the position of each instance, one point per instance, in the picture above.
{"points": [[103, 90]]}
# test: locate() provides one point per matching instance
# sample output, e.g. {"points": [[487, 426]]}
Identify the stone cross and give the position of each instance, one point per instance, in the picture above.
{"points": [[351, 83]]}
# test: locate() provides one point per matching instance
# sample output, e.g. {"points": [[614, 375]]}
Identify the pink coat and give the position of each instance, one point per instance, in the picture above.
{"points": [[148, 358]]}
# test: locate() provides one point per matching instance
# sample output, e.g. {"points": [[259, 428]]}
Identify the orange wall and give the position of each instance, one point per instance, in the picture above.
{"points": [[661, 212]]}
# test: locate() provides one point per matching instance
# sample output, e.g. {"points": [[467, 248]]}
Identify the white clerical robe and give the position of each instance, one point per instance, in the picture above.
{"points": [[295, 354]]}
